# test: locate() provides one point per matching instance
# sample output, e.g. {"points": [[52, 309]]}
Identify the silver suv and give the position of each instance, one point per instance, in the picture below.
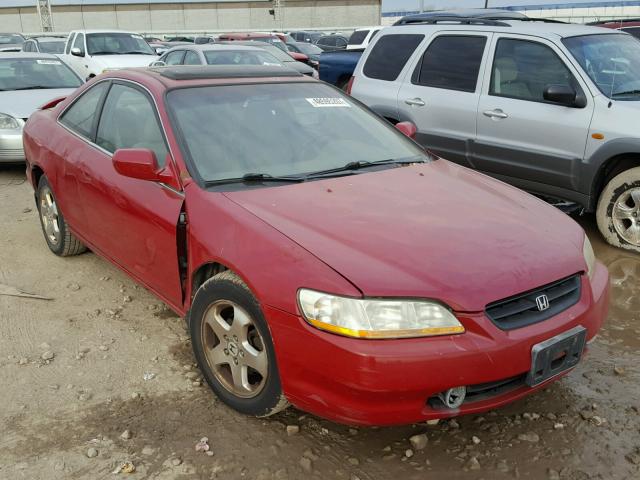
{"points": [[549, 107]]}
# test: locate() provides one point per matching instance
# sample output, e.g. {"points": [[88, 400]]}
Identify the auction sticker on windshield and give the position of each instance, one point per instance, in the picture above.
{"points": [[327, 102]]}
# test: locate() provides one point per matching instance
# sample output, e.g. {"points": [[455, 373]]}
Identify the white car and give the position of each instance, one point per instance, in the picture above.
{"points": [[91, 52], [361, 37]]}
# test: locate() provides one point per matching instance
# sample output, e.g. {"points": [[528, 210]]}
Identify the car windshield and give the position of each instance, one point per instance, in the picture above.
{"points": [[240, 57], [11, 39], [51, 46], [280, 129], [612, 61], [35, 73], [116, 43], [308, 48], [273, 41], [273, 50]]}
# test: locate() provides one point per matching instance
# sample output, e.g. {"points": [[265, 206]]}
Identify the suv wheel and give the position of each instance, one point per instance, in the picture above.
{"points": [[618, 212]]}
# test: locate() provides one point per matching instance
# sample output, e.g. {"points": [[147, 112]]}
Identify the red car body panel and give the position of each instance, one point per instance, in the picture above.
{"points": [[386, 233]]}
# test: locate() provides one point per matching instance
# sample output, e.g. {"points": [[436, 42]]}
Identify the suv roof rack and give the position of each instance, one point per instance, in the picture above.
{"points": [[419, 20], [542, 20]]}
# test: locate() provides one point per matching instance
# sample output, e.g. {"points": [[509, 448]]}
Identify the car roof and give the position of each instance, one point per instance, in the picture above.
{"points": [[218, 46], [375, 27], [47, 39], [535, 28], [102, 30], [166, 78], [15, 55]]}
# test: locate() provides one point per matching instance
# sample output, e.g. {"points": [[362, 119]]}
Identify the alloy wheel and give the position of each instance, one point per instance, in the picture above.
{"points": [[626, 216], [49, 216], [234, 349]]}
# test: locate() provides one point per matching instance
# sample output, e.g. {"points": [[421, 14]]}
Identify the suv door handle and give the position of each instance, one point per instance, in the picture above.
{"points": [[415, 102], [497, 113]]}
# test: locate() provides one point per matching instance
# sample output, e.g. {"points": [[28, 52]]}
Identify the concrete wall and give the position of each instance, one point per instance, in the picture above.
{"points": [[199, 17]]}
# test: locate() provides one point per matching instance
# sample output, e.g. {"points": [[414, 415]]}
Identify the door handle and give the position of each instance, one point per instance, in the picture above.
{"points": [[415, 102], [497, 113]]}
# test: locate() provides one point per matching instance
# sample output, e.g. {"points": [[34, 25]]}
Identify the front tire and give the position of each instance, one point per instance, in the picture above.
{"points": [[56, 232], [233, 346], [618, 212]]}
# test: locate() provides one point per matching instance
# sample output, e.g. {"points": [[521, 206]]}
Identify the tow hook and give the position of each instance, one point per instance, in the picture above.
{"points": [[454, 397]]}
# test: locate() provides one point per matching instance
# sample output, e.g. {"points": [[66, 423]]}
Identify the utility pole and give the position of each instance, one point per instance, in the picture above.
{"points": [[486, 3], [44, 13]]}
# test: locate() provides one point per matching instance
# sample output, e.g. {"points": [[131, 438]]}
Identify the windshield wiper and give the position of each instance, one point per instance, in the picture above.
{"points": [[351, 166], [104, 53], [255, 177], [136, 52], [628, 92]]}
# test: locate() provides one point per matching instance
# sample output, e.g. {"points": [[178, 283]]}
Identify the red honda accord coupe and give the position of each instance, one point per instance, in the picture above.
{"points": [[348, 272]]}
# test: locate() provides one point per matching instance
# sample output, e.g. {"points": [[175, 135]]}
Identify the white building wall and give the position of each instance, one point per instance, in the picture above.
{"points": [[200, 17]]}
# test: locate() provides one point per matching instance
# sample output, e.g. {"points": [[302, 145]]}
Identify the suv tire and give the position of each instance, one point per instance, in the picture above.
{"points": [[618, 212]]}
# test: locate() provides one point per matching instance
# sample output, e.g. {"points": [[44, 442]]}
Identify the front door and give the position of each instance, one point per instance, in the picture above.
{"points": [[523, 138], [441, 91], [133, 221]]}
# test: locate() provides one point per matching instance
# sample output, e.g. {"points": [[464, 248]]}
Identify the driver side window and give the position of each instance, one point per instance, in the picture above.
{"points": [[129, 120], [522, 69]]}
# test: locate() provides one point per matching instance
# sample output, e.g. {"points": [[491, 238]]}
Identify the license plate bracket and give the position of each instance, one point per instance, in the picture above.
{"points": [[556, 355]]}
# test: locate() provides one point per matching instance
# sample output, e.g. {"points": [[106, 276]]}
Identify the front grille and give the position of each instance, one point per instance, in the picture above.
{"points": [[483, 391], [11, 154], [522, 310]]}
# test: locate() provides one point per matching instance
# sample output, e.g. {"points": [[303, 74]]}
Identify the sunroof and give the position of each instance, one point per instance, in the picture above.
{"points": [[225, 71]]}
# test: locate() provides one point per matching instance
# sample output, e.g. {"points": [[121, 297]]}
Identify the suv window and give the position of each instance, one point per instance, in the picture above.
{"points": [[174, 58], [79, 42], [80, 116], [191, 58], [635, 31], [522, 69], [27, 46], [389, 56], [129, 120], [341, 42], [358, 37], [451, 62]]}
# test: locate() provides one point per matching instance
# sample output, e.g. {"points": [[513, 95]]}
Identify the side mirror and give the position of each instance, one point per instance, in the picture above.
{"points": [[76, 52], [408, 129], [563, 95], [158, 63], [137, 163]]}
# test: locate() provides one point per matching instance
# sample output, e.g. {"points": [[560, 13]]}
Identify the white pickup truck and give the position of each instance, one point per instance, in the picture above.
{"points": [[91, 52]]}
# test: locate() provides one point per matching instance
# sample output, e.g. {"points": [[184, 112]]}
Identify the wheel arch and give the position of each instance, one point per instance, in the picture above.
{"points": [[36, 174], [605, 163]]}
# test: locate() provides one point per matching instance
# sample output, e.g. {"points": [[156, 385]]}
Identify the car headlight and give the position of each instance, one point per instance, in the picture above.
{"points": [[376, 318], [7, 122], [589, 257]]}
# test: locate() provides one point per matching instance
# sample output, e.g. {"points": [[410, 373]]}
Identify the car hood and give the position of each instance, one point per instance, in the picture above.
{"points": [[124, 61], [22, 103], [435, 230]]}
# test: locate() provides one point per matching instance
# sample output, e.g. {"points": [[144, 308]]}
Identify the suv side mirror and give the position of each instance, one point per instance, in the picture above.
{"points": [[407, 128], [564, 95], [76, 52], [137, 163]]}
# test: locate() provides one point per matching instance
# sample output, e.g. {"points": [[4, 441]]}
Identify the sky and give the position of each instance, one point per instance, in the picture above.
{"points": [[391, 5]]}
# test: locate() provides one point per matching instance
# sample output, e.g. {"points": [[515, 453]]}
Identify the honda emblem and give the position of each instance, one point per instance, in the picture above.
{"points": [[542, 302]]}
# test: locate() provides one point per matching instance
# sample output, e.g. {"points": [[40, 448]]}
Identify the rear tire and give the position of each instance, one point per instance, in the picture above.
{"points": [[59, 238], [618, 212], [233, 346]]}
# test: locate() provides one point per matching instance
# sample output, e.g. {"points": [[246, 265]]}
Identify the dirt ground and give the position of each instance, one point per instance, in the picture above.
{"points": [[119, 360]]}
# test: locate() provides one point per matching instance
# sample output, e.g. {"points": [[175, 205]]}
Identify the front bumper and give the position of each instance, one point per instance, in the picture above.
{"points": [[11, 150], [387, 382]]}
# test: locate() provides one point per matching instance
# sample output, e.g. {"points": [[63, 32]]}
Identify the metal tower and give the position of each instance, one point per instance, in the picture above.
{"points": [[44, 13]]}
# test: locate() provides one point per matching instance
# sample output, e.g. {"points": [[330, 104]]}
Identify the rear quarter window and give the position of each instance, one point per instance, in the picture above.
{"points": [[389, 56], [358, 37]]}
